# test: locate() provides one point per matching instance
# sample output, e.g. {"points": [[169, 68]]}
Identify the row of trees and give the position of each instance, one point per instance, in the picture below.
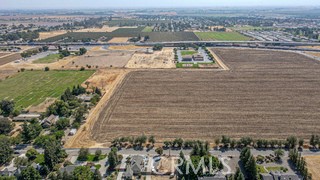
{"points": [[227, 142], [300, 163], [135, 141]]}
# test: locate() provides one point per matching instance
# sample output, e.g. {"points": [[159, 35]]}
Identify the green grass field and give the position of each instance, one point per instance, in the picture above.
{"points": [[185, 53], [147, 29], [221, 36], [33, 87], [48, 59]]}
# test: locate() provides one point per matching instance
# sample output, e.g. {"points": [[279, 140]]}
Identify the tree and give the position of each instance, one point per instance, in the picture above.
{"points": [[278, 153], [152, 140], [47, 69], [20, 161], [238, 175], [313, 141], [32, 154], [251, 168], [5, 150], [30, 131], [62, 123], [292, 142], [29, 173], [97, 155], [53, 153], [159, 150], [217, 142], [6, 126], [113, 158], [301, 141], [82, 51], [82, 173], [97, 175], [83, 154], [7, 107]]}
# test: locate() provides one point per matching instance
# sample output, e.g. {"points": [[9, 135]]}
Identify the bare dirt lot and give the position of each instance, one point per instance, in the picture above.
{"points": [[266, 94], [313, 163], [103, 58], [119, 40], [159, 59], [9, 58]]}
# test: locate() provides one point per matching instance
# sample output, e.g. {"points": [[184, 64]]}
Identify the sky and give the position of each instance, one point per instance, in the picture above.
{"points": [[86, 4]]}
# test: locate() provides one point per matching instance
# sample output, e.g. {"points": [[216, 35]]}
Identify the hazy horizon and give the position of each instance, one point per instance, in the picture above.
{"points": [[104, 4]]}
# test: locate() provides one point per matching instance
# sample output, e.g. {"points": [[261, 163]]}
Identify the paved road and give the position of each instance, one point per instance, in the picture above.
{"points": [[145, 151]]}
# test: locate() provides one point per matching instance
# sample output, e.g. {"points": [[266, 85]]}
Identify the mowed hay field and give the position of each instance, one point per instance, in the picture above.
{"points": [[266, 94], [33, 87], [221, 36]]}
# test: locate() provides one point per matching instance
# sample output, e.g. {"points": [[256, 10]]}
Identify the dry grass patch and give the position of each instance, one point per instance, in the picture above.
{"points": [[159, 59], [45, 35], [119, 40], [313, 164]]}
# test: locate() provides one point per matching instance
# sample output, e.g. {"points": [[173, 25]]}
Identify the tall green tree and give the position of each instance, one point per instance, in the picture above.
{"points": [[30, 173], [82, 173], [7, 107], [5, 150], [53, 153], [6, 126]]}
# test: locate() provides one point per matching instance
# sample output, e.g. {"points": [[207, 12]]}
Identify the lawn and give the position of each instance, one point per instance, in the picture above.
{"points": [[48, 59], [221, 36], [39, 159], [192, 65], [277, 168], [147, 29], [90, 157], [185, 53], [33, 87], [261, 169]]}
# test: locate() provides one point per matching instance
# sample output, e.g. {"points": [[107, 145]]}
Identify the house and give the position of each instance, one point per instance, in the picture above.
{"points": [[187, 58], [137, 164], [73, 49], [72, 132], [69, 169], [26, 117], [53, 48], [9, 171], [149, 51], [266, 176], [217, 176], [198, 57], [128, 174], [284, 176], [49, 121], [85, 97]]}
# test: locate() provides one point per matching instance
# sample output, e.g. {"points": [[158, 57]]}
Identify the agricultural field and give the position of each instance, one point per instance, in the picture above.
{"points": [[147, 29], [86, 36], [266, 94], [171, 36], [221, 36], [46, 35], [33, 87], [9, 58], [48, 59]]}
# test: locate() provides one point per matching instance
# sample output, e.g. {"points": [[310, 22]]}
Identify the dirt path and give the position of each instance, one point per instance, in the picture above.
{"points": [[113, 77]]}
